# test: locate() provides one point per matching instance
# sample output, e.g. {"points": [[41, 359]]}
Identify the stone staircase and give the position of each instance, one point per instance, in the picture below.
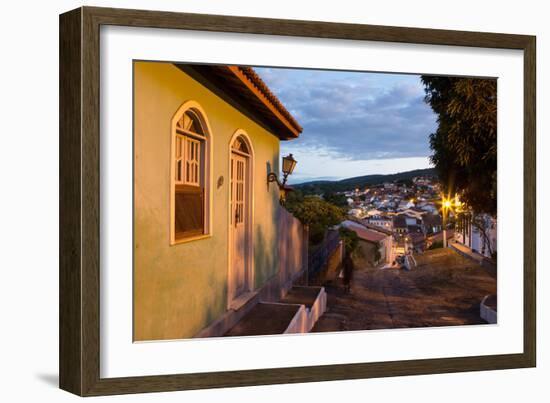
{"points": [[296, 312]]}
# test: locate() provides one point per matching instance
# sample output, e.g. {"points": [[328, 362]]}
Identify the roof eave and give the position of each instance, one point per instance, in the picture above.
{"points": [[255, 84], [244, 89]]}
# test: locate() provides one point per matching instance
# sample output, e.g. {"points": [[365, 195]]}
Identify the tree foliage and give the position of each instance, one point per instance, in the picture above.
{"points": [[317, 214], [338, 199], [465, 143], [350, 239]]}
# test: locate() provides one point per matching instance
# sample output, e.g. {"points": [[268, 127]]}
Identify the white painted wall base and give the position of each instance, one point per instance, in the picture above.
{"points": [[486, 313], [305, 318]]}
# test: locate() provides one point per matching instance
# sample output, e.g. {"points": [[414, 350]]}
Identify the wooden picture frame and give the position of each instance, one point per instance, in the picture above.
{"points": [[79, 200]]}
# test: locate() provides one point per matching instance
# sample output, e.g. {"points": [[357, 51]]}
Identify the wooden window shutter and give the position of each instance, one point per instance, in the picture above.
{"points": [[189, 211]]}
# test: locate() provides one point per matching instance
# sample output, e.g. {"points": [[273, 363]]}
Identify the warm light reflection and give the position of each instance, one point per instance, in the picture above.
{"points": [[451, 203]]}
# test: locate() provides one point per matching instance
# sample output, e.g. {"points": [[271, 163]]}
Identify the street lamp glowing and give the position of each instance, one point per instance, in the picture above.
{"points": [[458, 204], [288, 167], [446, 205]]}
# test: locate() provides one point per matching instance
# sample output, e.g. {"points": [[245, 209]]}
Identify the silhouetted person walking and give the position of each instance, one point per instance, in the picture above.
{"points": [[348, 271]]}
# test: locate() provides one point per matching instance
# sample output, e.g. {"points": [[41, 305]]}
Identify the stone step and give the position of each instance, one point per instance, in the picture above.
{"points": [[302, 296], [297, 312], [264, 319]]}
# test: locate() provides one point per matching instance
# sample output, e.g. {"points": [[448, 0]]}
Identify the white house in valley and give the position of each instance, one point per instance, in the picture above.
{"points": [[372, 240]]}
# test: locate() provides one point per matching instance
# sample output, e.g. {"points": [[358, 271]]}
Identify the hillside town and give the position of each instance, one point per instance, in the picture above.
{"points": [[414, 246], [406, 218], [406, 213]]}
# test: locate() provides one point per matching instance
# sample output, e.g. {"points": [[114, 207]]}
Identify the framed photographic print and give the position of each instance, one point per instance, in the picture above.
{"points": [[250, 201]]}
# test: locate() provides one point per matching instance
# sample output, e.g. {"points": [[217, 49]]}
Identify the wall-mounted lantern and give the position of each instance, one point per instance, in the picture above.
{"points": [[289, 163]]}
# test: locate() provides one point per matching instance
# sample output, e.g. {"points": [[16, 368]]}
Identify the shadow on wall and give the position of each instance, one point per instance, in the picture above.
{"points": [[364, 255], [265, 260], [292, 246], [268, 170], [265, 244], [218, 301]]}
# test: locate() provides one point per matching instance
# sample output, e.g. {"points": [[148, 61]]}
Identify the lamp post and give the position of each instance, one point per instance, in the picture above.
{"points": [[289, 163], [445, 206]]}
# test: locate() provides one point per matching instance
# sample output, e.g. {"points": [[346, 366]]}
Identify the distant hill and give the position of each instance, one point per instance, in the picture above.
{"points": [[320, 187]]}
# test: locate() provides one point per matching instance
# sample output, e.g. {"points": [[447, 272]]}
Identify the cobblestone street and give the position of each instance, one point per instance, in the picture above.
{"points": [[445, 289]]}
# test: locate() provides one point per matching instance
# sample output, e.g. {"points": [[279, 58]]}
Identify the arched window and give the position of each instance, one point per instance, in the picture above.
{"points": [[190, 174], [240, 145]]}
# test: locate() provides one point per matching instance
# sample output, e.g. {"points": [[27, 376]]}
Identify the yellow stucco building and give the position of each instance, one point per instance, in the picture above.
{"points": [[211, 240]]}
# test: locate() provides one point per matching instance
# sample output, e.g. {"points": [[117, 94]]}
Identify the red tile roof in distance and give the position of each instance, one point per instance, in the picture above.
{"points": [[364, 233]]}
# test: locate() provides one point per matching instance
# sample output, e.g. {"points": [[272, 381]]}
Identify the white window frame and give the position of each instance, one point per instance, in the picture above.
{"points": [[190, 169], [203, 161]]}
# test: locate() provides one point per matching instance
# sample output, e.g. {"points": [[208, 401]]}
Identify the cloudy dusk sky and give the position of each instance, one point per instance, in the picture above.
{"points": [[354, 123]]}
